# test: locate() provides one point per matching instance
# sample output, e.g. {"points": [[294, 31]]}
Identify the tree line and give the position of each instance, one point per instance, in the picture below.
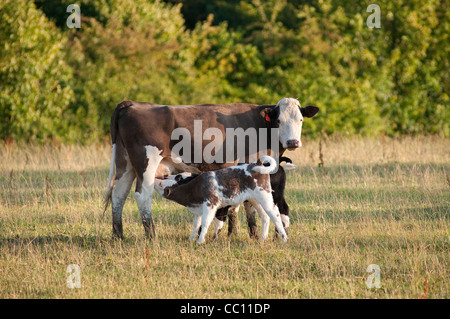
{"points": [[61, 83]]}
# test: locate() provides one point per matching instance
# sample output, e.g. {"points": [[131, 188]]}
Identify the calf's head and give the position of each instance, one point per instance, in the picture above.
{"points": [[288, 116], [165, 186]]}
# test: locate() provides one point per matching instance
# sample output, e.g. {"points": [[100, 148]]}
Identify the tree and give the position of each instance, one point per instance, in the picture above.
{"points": [[34, 78]]}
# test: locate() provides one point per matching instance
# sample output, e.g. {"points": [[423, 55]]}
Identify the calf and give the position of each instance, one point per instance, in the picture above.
{"points": [[209, 191], [278, 184]]}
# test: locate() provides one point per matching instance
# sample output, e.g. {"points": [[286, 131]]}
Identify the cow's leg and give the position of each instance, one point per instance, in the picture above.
{"points": [[208, 214], [250, 212], [125, 176], [265, 220], [145, 185], [232, 220]]}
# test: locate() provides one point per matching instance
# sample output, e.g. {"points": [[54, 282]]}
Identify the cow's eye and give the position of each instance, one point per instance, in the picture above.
{"points": [[278, 121]]}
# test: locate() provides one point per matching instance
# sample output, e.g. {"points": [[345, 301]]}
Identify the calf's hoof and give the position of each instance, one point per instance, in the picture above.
{"points": [[286, 229], [252, 232]]}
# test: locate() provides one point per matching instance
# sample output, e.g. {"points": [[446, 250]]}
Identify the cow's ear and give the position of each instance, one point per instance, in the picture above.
{"points": [[309, 111], [265, 113], [166, 192], [269, 114]]}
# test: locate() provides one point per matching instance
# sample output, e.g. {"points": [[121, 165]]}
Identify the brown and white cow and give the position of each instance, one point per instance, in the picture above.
{"points": [[142, 144]]}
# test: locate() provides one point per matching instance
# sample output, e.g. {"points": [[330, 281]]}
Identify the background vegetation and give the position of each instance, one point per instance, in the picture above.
{"points": [[62, 84]]}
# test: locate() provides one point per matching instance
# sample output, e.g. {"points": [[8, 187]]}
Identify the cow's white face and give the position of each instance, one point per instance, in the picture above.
{"points": [[290, 120], [290, 123]]}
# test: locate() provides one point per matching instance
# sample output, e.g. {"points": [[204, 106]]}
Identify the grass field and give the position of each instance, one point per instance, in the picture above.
{"points": [[370, 201]]}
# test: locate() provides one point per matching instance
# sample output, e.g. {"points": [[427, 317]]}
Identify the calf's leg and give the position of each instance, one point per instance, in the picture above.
{"points": [[197, 226], [250, 213], [265, 220], [208, 214], [271, 209], [232, 220], [218, 225]]}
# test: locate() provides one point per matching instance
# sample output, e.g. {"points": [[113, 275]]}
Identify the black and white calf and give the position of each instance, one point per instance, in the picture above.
{"points": [[278, 184], [206, 193]]}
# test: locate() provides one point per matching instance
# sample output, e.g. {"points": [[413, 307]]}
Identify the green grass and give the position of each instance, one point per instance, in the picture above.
{"points": [[374, 201]]}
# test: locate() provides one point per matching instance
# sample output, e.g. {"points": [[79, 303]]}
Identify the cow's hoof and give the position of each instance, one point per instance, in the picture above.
{"points": [[117, 231], [149, 229]]}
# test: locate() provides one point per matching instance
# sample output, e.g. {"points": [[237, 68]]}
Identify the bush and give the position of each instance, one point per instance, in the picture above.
{"points": [[35, 80], [60, 83]]}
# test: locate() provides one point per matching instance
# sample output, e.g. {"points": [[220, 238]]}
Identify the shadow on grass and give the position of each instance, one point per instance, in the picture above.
{"points": [[85, 242], [23, 187], [378, 169], [352, 215]]}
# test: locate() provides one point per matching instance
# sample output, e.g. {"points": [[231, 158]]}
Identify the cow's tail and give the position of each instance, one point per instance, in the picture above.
{"points": [[265, 165], [289, 165], [108, 194], [114, 139]]}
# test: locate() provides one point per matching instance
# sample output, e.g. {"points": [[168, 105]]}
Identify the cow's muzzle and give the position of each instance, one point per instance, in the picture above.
{"points": [[292, 144]]}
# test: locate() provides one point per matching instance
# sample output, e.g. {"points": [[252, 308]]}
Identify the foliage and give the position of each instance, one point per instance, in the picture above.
{"points": [[64, 83], [35, 80]]}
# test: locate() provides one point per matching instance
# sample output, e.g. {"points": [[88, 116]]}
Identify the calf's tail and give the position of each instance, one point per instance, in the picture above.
{"points": [[265, 165]]}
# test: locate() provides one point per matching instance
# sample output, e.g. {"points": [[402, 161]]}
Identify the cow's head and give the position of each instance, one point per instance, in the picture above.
{"points": [[288, 117]]}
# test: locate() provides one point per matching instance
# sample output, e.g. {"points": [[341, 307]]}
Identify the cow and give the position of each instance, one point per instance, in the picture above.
{"points": [[205, 193], [143, 144]]}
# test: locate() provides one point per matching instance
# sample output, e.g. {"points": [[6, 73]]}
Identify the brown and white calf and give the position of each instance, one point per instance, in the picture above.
{"points": [[278, 184], [209, 191]]}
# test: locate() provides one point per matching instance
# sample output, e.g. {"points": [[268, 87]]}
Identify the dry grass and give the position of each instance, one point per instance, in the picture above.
{"points": [[374, 201]]}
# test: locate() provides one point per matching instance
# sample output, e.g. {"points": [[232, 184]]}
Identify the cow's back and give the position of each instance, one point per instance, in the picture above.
{"points": [[152, 124]]}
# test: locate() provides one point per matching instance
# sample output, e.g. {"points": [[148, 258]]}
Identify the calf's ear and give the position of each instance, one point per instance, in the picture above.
{"points": [[309, 111]]}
